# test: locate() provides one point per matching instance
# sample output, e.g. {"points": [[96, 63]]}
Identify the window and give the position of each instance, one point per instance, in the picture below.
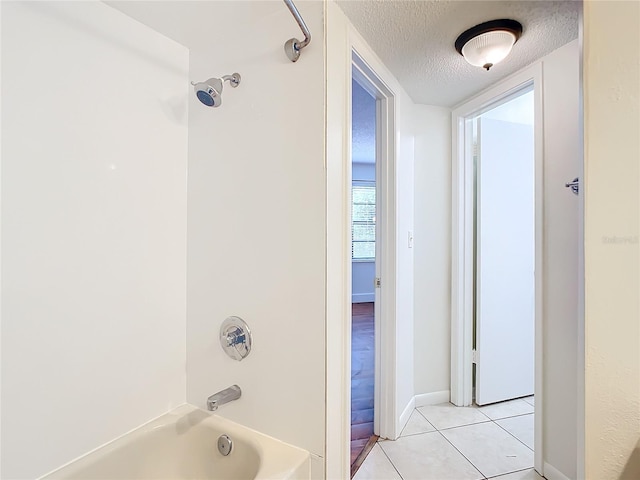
{"points": [[363, 221]]}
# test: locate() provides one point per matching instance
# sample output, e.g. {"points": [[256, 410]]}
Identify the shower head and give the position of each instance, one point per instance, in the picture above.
{"points": [[209, 92]]}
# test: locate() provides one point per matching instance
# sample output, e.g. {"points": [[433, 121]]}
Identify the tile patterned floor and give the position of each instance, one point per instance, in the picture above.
{"points": [[445, 442]]}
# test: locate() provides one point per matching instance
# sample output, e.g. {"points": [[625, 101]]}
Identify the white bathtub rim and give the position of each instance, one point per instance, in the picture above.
{"points": [[267, 470], [107, 444]]}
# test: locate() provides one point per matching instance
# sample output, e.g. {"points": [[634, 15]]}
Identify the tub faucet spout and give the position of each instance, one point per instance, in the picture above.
{"points": [[224, 396]]}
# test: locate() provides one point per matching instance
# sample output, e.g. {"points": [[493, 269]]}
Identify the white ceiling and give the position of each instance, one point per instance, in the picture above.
{"points": [[415, 39]]}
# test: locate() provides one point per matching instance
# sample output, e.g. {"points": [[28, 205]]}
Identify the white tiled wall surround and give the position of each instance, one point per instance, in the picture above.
{"points": [[445, 442], [94, 206]]}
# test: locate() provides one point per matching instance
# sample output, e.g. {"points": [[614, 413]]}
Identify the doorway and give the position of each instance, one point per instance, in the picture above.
{"points": [[468, 351], [364, 208], [504, 251], [364, 66], [372, 277]]}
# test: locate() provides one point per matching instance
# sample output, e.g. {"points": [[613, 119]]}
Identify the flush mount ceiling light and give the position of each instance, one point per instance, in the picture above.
{"points": [[488, 43]]}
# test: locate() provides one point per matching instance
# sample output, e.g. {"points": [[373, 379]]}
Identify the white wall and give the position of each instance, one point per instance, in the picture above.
{"points": [[256, 246], [363, 274], [612, 210], [94, 160], [432, 250], [256, 218], [405, 158], [363, 171]]}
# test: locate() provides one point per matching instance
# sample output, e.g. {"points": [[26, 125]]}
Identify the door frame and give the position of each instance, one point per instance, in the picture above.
{"points": [[345, 49], [384, 377], [462, 258]]}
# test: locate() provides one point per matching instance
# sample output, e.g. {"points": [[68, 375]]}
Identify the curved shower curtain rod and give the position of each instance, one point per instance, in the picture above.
{"points": [[293, 46]]}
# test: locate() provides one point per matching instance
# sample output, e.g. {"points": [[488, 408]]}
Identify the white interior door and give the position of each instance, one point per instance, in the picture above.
{"points": [[505, 260]]}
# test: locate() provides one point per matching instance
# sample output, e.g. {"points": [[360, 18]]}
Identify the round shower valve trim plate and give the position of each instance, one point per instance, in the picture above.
{"points": [[235, 338]]}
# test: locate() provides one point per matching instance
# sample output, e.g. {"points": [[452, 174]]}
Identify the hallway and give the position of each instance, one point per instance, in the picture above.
{"points": [[445, 442], [362, 377]]}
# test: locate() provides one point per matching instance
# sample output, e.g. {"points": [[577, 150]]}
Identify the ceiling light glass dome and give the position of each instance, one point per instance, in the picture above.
{"points": [[488, 43]]}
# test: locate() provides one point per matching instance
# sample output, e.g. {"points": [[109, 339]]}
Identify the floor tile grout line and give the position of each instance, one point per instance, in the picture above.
{"points": [[497, 477], [484, 477], [500, 426], [404, 428], [480, 423], [422, 415], [416, 434], [513, 416], [478, 409], [464, 425], [417, 409], [392, 464], [512, 402], [463, 455], [456, 426]]}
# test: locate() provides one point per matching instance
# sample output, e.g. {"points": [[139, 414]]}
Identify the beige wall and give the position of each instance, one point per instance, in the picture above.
{"points": [[612, 151]]}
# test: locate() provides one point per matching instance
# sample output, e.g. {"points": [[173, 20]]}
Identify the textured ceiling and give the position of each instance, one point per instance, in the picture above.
{"points": [[415, 38]]}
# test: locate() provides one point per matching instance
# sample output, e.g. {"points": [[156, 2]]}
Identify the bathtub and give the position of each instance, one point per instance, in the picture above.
{"points": [[182, 444]]}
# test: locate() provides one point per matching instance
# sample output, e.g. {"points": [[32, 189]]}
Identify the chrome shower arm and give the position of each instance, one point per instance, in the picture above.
{"points": [[293, 46], [234, 80]]}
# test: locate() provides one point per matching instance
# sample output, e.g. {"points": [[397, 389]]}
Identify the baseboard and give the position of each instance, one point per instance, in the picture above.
{"points": [[552, 473], [432, 398], [363, 297], [404, 417]]}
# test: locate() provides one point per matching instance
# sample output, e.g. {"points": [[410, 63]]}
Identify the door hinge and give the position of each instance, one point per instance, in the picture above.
{"points": [[376, 282], [474, 356]]}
